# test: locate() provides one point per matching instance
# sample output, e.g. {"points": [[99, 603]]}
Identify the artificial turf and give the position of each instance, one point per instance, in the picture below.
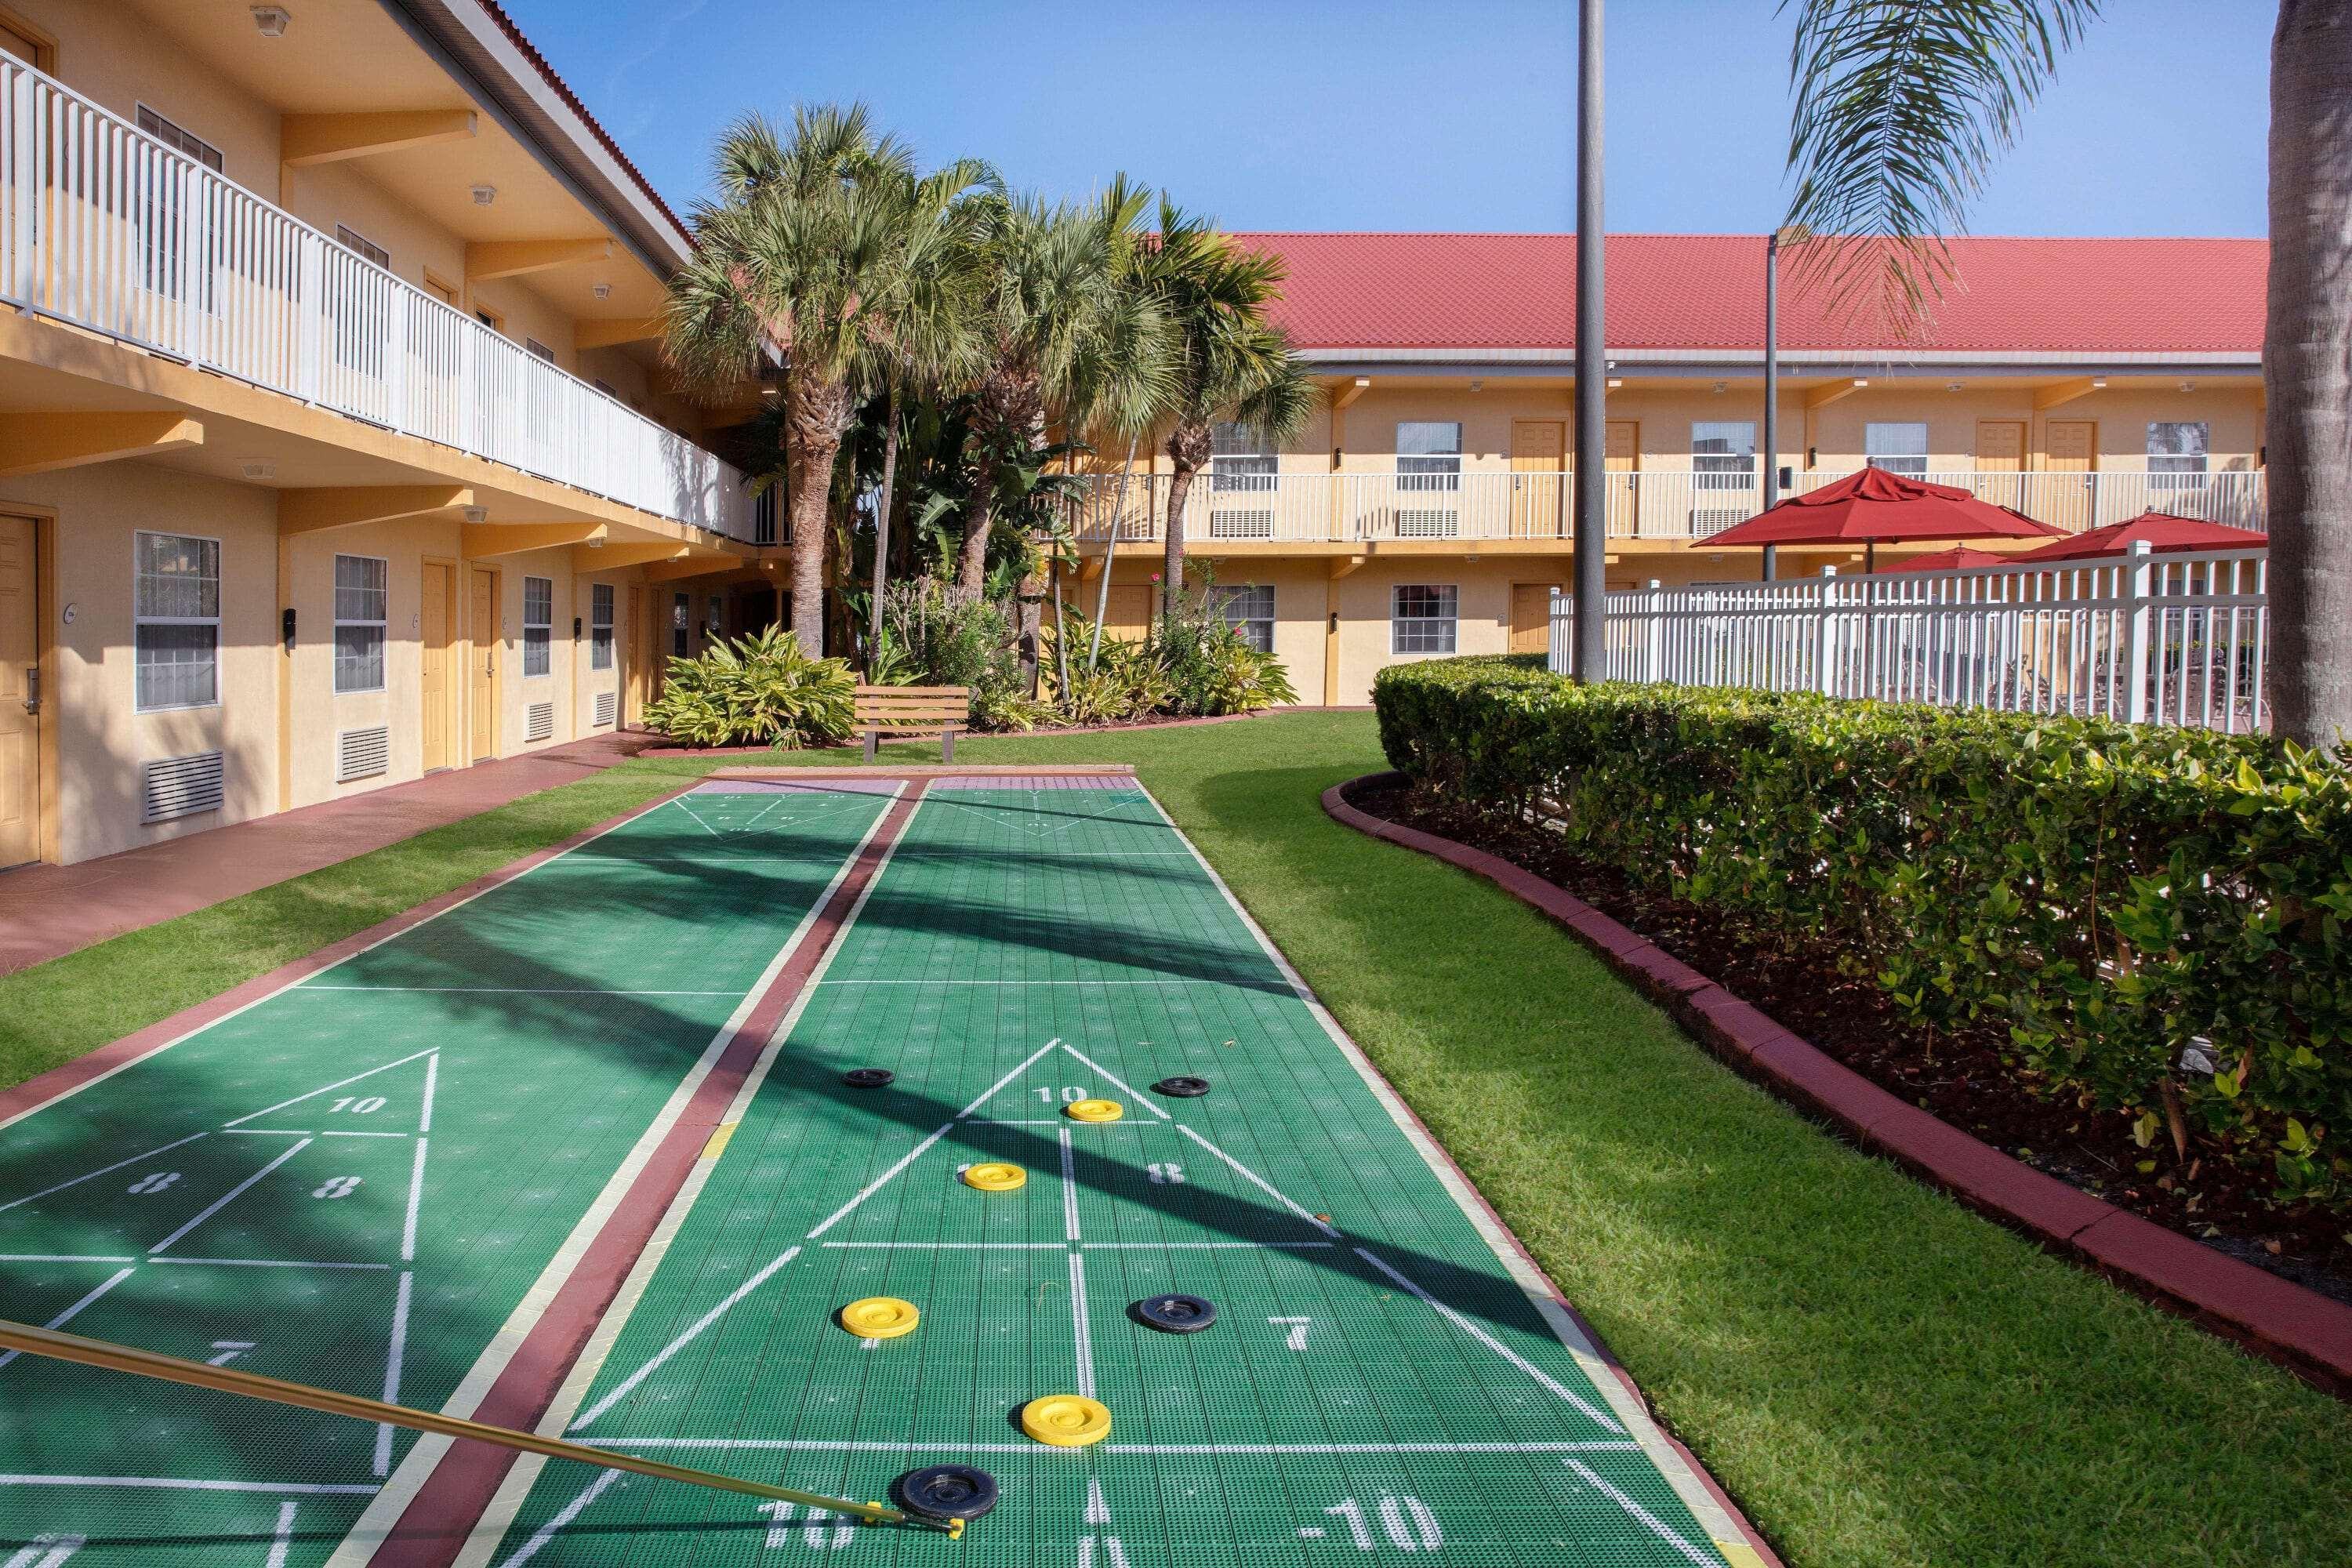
{"points": [[1877, 1377]]}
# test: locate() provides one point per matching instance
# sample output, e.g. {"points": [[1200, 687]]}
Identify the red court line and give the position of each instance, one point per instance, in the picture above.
{"points": [[61, 1081], [434, 1527]]}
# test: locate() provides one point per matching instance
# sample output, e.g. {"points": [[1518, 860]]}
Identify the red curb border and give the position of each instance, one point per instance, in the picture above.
{"points": [[112, 1058], [2275, 1319], [1038, 734], [435, 1526]]}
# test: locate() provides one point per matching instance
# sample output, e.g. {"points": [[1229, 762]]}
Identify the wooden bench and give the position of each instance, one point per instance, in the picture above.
{"points": [[917, 711]]}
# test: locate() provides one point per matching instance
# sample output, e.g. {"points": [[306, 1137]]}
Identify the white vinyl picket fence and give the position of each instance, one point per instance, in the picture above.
{"points": [[2163, 640]]}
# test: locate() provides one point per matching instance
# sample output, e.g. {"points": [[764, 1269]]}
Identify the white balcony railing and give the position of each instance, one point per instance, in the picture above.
{"points": [[2167, 639], [1653, 503], [106, 227]]}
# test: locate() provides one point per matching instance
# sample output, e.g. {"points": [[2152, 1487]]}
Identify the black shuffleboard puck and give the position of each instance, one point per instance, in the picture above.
{"points": [[946, 1491], [870, 1077], [1182, 1087], [1175, 1314]]}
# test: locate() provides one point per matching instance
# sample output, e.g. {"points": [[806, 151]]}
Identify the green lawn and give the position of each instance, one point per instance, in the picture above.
{"points": [[1876, 1375]]}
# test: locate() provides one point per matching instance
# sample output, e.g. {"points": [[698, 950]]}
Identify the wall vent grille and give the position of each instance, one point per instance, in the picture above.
{"points": [[539, 722], [608, 708], [362, 753], [182, 787]]}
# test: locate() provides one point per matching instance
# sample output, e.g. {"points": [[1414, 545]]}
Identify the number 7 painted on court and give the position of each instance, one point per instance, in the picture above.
{"points": [[1298, 1339]]}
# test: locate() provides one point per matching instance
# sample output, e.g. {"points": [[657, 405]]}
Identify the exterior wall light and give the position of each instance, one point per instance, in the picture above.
{"points": [[478, 514], [485, 195], [272, 20]]}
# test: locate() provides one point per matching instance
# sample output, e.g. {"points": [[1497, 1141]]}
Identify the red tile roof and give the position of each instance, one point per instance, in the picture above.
{"points": [[2185, 296]]}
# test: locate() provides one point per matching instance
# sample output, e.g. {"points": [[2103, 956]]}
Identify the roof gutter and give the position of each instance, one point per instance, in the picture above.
{"points": [[1505, 362], [518, 91]]}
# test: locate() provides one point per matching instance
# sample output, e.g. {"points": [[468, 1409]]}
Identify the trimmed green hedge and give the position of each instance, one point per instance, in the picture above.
{"points": [[2132, 902]]}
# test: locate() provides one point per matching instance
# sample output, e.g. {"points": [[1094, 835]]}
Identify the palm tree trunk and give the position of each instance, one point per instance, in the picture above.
{"points": [[816, 414], [1110, 551], [882, 530], [2307, 373], [1172, 581], [1061, 633], [979, 516]]}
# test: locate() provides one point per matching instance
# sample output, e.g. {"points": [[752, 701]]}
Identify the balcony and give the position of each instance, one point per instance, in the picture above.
{"points": [[1653, 503], [105, 227]]}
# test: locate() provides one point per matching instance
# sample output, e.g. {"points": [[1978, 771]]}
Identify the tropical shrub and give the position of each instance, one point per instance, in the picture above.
{"points": [[2157, 916], [1210, 668], [936, 634], [759, 689]]}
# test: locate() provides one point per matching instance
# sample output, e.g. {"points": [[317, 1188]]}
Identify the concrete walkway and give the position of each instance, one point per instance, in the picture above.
{"points": [[48, 910]]}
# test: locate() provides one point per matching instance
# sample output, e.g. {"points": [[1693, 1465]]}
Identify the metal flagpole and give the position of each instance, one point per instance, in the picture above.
{"points": [[1587, 633], [1769, 468]]}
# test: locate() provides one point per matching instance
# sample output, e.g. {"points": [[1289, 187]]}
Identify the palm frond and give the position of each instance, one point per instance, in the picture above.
{"points": [[1901, 105]]}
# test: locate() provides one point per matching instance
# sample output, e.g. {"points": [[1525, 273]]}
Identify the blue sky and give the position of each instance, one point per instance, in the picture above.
{"points": [[1372, 114]]}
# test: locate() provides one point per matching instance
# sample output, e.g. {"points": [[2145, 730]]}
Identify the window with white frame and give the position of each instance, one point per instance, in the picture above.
{"points": [[1723, 454], [175, 612], [2178, 454], [538, 625], [179, 139], [1429, 454], [1241, 458], [600, 625], [360, 618], [1422, 617], [1900, 446], [359, 245], [167, 267], [538, 350], [1249, 610]]}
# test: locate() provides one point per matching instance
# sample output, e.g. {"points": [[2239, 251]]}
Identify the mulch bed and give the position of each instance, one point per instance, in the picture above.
{"points": [[1964, 1080]]}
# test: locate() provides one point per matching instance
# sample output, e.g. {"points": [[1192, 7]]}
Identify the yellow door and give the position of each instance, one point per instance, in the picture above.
{"points": [[636, 662], [438, 666], [1128, 616], [1539, 477], [20, 718], [1531, 617], [2073, 445], [2000, 457], [484, 624], [1621, 455]]}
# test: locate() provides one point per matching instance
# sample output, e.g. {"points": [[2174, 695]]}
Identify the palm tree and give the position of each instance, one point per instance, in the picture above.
{"points": [[1901, 105], [1232, 361], [804, 238], [1062, 337]]}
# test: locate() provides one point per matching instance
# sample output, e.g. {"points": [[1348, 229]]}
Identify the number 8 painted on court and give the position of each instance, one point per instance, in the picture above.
{"points": [[336, 1187], [154, 1183]]}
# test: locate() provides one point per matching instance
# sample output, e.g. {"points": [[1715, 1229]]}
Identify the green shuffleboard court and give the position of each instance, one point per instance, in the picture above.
{"points": [[361, 1180], [1379, 1383]]}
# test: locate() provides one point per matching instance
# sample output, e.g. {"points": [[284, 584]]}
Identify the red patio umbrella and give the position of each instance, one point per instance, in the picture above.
{"points": [[2166, 534], [1958, 558], [1875, 507]]}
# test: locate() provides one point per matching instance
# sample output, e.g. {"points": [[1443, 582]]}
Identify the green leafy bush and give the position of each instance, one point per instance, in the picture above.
{"points": [[759, 689], [1210, 668], [2157, 916]]}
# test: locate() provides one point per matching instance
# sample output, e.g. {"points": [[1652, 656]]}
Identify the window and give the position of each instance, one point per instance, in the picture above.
{"points": [[600, 625], [358, 622], [538, 350], [680, 624], [540, 393], [1723, 454], [714, 619], [1899, 449], [178, 139], [1421, 617], [1249, 610], [359, 245], [601, 384], [490, 319], [1241, 458], [2177, 454], [1429, 454], [175, 604], [538, 624], [162, 199]]}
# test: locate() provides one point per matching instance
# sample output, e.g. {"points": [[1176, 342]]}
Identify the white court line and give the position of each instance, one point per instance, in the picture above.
{"points": [[1062, 1121], [415, 1201], [60, 1258], [181, 1484], [1079, 1325], [67, 1316], [47, 1550], [101, 1170], [432, 1085], [1173, 979], [1704, 1559], [339, 1134], [725, 1304], [911, 1155], [503, 991], [1491, 1343], [300, 1132], [1132, 1092], [329, 1089], [281, 1540], [563, 1517], [831, 1446], [268, 1263], [391, 1369], [1069, 1188], [1165, 1246], [233, 1193], [376, 1524], [958, 1246], [680, 804], [1260, 1183]]}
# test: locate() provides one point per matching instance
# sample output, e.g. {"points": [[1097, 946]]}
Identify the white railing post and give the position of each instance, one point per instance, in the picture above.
{"points": [[22, 185], [2138, 614], [1653, 649], [310, 315], [1824, 641]]}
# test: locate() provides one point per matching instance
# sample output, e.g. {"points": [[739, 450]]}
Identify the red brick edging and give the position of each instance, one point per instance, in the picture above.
{"points": [[2276, 1319]]}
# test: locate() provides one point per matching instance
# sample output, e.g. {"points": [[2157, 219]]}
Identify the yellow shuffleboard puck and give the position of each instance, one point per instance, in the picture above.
{"points": [[880, 1317], [1065, 1420], [994, 1176], [1094, 1111]]}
